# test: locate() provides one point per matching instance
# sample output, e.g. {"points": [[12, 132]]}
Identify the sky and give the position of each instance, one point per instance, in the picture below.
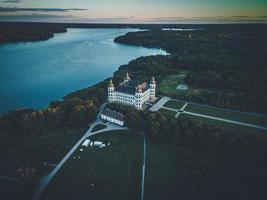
{"points": [[135, 11]]}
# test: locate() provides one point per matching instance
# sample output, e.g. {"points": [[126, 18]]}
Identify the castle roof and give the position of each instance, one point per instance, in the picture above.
{"points": [[113, 114], [153, 80], [131, 86], [110, 84]]}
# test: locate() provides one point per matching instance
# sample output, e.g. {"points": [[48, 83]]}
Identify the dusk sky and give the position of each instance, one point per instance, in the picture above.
{"points": [[134, 11]]}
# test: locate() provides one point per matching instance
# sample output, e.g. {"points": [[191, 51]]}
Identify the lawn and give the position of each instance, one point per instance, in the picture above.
{"points": [[234, 127], [113, 172], [168, 85], [174, 104], [99, 127], [49, 147], [230, 115], [174, 172], [167, 112], [161, 171]]}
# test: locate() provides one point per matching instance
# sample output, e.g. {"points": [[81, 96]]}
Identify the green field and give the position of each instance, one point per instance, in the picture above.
{"points": [[168, 85], [50, 147], [113, 172], [174, 104], [234, 127], [161, 171], [98, 127], [230, 115], [167, 112]]}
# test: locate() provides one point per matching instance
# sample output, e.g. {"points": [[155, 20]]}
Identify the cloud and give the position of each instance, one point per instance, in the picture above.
{"points": [[11, 1], [14, 9], [214, 19], [36, 17]]}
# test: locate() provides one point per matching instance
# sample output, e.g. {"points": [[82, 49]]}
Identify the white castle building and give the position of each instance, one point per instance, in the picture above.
{"points": [[131, 92]]}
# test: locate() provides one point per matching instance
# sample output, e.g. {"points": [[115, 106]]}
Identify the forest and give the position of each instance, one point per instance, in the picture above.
{"points": [[228, 61], [28, 32]]}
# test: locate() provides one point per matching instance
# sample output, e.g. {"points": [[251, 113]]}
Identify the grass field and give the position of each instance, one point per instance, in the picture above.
{"points": [[98, 127], [167, 112], [230, 115], [161, 171], [50, 147], [174, 104], [168, 85], [234, 127], [113, 172]]}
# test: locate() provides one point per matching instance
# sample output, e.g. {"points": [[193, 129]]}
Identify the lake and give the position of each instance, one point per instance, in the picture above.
{"points": [[33, 74]]}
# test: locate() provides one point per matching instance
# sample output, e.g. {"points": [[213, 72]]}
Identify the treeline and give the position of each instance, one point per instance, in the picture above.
{"points": [[195, 135], [227, 64], [28, 32], [27, 126]]}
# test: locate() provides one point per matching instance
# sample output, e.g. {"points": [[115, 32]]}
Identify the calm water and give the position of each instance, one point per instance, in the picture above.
{"points": [[33, 74]]}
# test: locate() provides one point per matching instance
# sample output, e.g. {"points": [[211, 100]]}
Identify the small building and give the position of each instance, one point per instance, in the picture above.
{"points": [[182, 87], [86, 143], [112, 116]]}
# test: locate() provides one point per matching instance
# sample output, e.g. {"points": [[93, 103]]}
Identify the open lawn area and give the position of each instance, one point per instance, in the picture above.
{"points": [[174, 172], [112, 172], [49, 147], [169, 84], [225, 114], [234, 127], [167, 112], [174, 104], [161, 171], [98, 127]]}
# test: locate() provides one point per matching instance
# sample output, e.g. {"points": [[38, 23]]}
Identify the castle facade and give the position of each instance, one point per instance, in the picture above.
{"points": [[132, 92]]}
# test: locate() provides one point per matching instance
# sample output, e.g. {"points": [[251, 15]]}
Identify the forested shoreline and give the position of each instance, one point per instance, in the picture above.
{"points": [[230, 64], [28, 32]]}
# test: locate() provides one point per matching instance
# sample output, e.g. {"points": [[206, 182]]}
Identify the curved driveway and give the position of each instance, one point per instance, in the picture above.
{"points": [[46, 180]]}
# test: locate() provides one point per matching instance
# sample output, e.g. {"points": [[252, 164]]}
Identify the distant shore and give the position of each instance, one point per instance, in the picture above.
{"points": [[12, 32], [28, 32]]}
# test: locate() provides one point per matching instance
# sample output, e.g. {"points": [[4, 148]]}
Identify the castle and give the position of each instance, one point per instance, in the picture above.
{"points": [[132, 92]]}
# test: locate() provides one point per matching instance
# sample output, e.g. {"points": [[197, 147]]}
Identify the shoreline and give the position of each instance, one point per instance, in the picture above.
{"points": [[73, 93]]}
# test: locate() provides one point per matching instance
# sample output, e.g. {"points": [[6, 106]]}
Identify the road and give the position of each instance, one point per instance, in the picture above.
{"points": [[44, 182], [143, 168]]}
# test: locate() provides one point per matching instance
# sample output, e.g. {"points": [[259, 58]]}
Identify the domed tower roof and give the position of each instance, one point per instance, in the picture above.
{"points": [[153, 80], [127, 77], [110, 84]]}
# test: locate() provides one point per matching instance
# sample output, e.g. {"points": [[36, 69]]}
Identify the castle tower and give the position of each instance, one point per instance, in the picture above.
{"points": [[127, 77], [111, 94], [138, 98], [152, 86]]}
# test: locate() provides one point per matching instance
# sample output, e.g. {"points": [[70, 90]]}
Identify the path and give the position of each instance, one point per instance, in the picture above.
{"points": [[159, 104], [227, 120], [143, 168], [220, 108], [180, 111], [46, 180]]}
